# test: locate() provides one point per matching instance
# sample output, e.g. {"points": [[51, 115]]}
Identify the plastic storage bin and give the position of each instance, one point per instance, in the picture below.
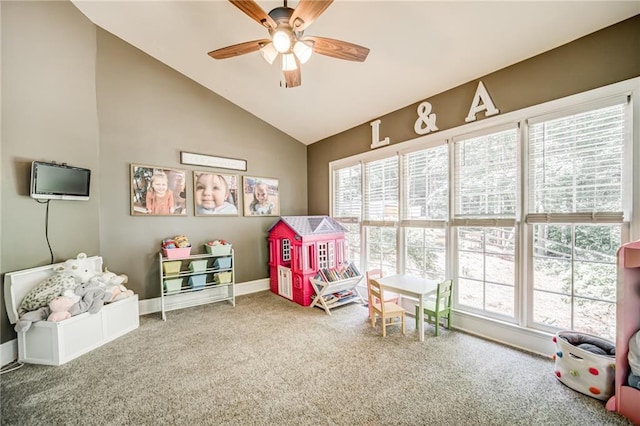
{"points": [[198, 265], [222, 263], [219, 250], [197, 281], [171, 268], [177, 253], [173, 286], [222, 277], [578, 367]]}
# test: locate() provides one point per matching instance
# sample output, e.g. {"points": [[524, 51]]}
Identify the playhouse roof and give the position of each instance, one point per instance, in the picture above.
{"points": [[311, 225]]}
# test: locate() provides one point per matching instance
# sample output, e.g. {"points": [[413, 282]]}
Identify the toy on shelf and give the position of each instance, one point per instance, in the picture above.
{"points": [[218, 247], [176, 247]]}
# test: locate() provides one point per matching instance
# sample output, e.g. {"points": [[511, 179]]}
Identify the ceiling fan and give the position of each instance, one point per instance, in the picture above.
{"points": [[286, 30]]}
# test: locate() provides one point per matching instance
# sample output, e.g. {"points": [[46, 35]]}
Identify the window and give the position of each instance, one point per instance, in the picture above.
{"points": [[353, 242], [576, 175], [381, 250], [486, 192], [486, 175], [576, 162], [331, 254], [426, 252], [427, 184], [486, 270], [286, 250], [426, 210], [347, 187], [381, 214], [347, 207], [574, 277], [381, 190], [323, 259]]}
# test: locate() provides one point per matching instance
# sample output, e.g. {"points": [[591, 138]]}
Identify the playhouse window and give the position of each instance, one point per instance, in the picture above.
{"points": [[286, 250], [308, 258], [331, 254], [323, 258], [298, 258]]}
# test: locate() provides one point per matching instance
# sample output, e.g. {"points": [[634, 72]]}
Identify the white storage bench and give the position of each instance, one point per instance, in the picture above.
{"points": [[55, 343]]}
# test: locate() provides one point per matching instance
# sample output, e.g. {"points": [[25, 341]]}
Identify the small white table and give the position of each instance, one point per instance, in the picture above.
{"points": [[409, 285]]}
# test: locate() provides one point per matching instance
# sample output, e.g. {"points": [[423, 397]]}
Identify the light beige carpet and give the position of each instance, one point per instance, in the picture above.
{"points": [[268, 361]]}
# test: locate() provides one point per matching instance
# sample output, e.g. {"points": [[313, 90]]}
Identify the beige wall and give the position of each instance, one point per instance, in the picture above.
{"points": [[148, 113], [75, 93], [48, 113], [605, 57]]}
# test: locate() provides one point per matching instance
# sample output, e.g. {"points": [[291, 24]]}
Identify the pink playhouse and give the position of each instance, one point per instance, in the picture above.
{"points": [[298, 247]]}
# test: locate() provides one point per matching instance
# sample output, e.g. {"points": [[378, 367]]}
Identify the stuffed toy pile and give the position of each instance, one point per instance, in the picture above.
{"points": [[179, 241], [75, 287]]}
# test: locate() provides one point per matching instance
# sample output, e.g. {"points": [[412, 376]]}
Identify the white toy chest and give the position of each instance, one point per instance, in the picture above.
{"points": [[55, 343], [582, 370]]}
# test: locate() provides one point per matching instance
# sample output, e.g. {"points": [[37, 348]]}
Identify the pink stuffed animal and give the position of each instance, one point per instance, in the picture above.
{"points": [[60, 307]]}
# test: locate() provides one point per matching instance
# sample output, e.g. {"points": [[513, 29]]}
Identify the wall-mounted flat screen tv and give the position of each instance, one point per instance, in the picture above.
{"points": [[59, 181]]}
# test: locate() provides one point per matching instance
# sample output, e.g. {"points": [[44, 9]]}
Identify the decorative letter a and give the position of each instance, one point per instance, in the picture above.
{"points": [[481, 102]]}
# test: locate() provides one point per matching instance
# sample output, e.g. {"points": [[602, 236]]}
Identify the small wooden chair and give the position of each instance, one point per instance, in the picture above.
{"points": [[389, 297], [438, 308], [385, 310]]}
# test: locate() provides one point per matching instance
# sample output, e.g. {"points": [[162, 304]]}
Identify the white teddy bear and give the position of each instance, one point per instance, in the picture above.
{"points": [[113, 284]]}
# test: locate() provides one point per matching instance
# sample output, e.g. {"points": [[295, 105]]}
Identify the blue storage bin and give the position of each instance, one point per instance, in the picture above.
{"points": [[222, 263], [197, 281]]}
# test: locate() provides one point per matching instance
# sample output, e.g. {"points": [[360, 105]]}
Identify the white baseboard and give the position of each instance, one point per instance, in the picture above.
{"points": [[9, 350], [527, 339], [150, 306], [507, 334]]}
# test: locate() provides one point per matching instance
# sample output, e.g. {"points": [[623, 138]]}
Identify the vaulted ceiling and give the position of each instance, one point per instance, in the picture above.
{"points": [[418, 49]]}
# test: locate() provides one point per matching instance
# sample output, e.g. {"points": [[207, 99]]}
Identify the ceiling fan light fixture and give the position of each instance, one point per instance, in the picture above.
{"points": [[281, 40], [303, 50], [269, 53], [289, 62]]}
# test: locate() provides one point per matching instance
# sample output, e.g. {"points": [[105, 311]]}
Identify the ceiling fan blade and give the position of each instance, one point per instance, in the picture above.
{"points": [[339, 49], [292, 78], [306, 12], [255, 12], [238, 49]]}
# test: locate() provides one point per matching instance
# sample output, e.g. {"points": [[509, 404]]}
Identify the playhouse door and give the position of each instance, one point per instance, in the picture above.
{"points": [[285, 285]]}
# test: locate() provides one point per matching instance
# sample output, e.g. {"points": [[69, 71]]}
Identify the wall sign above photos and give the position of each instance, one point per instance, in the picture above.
{"points": [[212, 161]]}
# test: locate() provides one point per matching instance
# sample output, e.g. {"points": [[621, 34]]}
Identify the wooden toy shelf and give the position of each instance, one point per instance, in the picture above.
{"points": [[327, 296]]}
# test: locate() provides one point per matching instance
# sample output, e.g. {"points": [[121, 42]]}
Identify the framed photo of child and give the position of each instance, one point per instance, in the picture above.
{"points": [[158, 191], [261, 196], [215, 194]]}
